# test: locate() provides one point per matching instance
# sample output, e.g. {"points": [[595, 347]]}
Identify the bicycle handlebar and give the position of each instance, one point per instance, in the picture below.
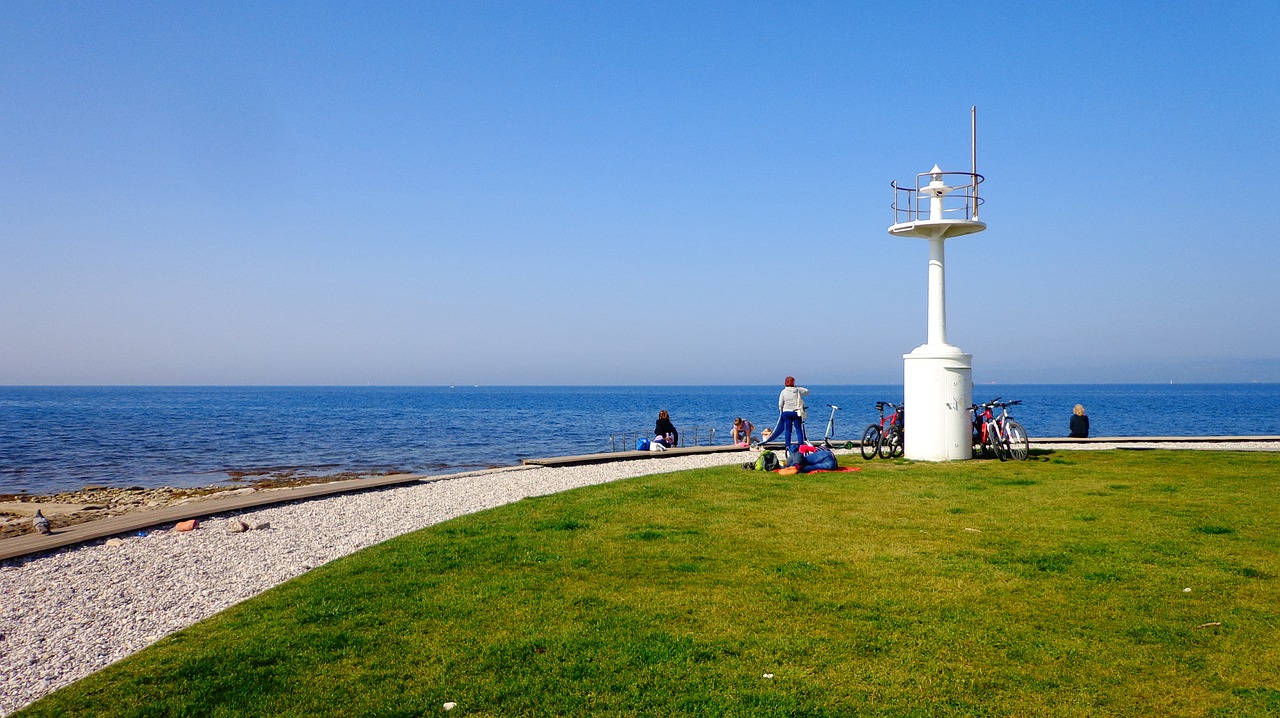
{"points": [[994, 402]]}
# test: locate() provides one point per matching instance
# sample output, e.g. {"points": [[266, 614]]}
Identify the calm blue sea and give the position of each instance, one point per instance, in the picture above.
{"points": [[59, 438]]}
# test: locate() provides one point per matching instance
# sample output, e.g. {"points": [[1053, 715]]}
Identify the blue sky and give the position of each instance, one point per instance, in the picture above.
{"points": [[631, 193]]}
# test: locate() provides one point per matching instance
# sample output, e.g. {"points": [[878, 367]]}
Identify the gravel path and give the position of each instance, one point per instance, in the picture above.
{"points": [[71, 612], [66, 614]]}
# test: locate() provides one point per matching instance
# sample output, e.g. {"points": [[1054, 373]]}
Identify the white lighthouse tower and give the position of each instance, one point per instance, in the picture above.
{"points": [[937, 376]]}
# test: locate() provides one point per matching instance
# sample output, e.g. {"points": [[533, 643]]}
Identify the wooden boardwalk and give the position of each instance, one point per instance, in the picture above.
{"points": [[1173, 440], [629, 455], [145, 519]]}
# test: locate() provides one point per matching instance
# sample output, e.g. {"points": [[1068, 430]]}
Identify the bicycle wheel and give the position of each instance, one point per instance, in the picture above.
{"points": [[994, 441], [899, 441], [1019, 446], [890, 442], [870, 442], [886, 442]]}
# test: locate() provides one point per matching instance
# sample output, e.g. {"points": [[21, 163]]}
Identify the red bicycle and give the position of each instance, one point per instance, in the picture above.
{"points": [[984, 429], [999, 434], [882, 439]]}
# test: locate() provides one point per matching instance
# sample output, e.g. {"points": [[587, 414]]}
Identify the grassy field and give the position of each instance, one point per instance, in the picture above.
{"points": [[1120, 583]]}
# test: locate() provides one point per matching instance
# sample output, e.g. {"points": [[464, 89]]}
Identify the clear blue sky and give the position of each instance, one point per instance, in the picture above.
{"points": [[631, 193]]}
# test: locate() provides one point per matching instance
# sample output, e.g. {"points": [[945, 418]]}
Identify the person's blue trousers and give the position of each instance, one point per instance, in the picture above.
{"points": [[788, 420]]}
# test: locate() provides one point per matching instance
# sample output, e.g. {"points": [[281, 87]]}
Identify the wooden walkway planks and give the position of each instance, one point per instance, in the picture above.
{"points": [[139, 520], [1154, 439], [628, 455]]}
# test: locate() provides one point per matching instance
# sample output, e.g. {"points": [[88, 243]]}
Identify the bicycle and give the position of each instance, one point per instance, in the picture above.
{"points": [[984, 429], [831, 430], [1012, 437], [887, 441], [999, 434]]}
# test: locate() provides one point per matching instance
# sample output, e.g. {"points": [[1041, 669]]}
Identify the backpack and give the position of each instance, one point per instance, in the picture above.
{"points": [[768, 461]]}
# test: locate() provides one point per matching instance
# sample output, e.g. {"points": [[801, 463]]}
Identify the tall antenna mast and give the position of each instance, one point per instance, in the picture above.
{"points": [[973, 144]]}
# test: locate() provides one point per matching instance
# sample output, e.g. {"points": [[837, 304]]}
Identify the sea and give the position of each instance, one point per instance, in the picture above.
{"points": [[65, 438]]}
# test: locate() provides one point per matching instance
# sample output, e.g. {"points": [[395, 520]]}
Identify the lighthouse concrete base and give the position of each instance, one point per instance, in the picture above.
{"points": [[937, 392]]}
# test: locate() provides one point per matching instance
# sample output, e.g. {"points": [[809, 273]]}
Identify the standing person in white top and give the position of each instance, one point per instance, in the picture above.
{"points": [[791, 408]]}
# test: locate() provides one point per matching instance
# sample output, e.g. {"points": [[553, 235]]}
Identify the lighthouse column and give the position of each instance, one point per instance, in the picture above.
{"points": [[937, 293]]}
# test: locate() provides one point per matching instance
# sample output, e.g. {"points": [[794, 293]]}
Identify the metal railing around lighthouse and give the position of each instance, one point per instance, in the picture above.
{"points": [[912, 204]]}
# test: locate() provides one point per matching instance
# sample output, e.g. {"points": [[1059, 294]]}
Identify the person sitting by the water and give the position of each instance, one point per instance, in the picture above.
{"points": [[665, 431], [1079, 423], [740, 434]]}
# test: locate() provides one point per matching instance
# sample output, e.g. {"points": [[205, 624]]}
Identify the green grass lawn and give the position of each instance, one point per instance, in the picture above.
{"points": [[1052, 587]]}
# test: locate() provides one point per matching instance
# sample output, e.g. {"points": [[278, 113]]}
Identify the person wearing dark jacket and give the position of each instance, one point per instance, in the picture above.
{"points": [[665, 431], [1079, 423]]}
